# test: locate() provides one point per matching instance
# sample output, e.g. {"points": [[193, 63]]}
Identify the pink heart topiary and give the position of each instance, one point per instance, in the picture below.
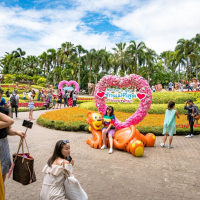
{"points": [[60, 86], [145, 95]]}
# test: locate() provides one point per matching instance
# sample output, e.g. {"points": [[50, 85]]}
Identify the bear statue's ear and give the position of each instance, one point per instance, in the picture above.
{"points": [[101, 114], [89, 114]]}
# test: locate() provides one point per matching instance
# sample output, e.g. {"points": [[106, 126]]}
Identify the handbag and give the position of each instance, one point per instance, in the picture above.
{"points": [[24, 166], [73, 190], [197, 117]]}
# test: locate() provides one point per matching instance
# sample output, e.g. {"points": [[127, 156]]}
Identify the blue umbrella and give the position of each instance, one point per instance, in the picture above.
{"points": [[68, 88]]}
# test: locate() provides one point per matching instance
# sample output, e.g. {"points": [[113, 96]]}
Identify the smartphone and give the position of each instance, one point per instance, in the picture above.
{"points": [[27, 124], [69, 158]]}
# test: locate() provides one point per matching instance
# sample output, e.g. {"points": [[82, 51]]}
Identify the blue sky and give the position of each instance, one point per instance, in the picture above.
{"points": [[38, 25]]}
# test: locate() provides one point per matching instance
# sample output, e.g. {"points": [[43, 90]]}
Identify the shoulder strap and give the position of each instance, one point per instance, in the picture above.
{"points": [[61, 163]]}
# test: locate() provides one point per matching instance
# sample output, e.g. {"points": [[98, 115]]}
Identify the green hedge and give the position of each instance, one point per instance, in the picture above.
{"points": [[27, 109], [38, 87], [60, 125], [178, 97], [131, 108], [77, 126], [165, 97]]}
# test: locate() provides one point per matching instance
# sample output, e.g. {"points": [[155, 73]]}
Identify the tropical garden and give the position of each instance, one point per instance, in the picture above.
{"points": [[75, 62], [70, 62]]}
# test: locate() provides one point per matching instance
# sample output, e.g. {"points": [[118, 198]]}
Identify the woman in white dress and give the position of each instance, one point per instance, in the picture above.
{"points": [[58, 175]]}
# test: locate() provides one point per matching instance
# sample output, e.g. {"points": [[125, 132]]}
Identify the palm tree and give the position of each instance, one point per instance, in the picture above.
{"points": [[53, 57], [90, 60], [31, 63], [68, 50], [172, 63], [137, 53], [45, 62], [105, 61], [120, 52], [19, 53], [5, 62], [185, 47], [150, 56], [80, 52]]}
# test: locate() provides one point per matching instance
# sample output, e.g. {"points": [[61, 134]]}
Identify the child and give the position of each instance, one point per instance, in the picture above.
{"points": [[109, 129], [54, 102], [169, 124]]}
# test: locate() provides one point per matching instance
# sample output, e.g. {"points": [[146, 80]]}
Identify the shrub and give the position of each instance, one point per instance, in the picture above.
{"points": [[42, 81], [37, 87], [131, 108]]}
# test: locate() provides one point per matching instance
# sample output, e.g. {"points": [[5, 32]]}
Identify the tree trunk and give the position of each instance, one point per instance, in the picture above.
{"points": [[187, 69], [79, 71], [190, 70], [146, 71], [196, 73], [179, 71], [90, 73], [102, 70], [174, 76], [135, 63]]}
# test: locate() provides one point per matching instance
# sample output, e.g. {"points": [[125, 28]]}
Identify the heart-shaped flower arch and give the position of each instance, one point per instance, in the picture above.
{"points": [[60, 86], [124, 82]]}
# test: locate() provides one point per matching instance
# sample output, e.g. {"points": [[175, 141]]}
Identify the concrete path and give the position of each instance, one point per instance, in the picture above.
{"points": [[160, 174]]}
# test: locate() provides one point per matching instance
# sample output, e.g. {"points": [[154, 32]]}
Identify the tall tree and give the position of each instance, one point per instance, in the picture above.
{"points": [[121, 53], [80, 52], [137, 53]]}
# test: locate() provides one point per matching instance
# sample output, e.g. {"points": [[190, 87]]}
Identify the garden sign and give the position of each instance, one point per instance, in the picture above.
{"points": [[122, 96]]}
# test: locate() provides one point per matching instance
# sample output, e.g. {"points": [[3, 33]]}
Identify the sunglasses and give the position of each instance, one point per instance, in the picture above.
{"points": [[65, 141], [109, 109]]}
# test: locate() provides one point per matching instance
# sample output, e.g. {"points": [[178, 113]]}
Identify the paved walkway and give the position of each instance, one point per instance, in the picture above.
{"points": [[160, 174]]}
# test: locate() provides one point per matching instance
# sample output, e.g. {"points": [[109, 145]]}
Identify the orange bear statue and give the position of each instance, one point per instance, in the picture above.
{"points": [[127, 139]]}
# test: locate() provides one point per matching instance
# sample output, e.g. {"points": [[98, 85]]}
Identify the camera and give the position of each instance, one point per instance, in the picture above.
{"points": [[27, 124]]}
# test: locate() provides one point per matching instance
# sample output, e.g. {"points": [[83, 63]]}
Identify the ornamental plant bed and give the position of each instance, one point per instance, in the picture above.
{"points": [[73, 119], [131, 108], [162, 97], [35, 104]]}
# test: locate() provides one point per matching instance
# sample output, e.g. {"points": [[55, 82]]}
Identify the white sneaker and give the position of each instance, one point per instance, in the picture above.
{"points": [[192, 135], [162, 144], [110, 151], [188, 136], [170, 146], [104, 147]]}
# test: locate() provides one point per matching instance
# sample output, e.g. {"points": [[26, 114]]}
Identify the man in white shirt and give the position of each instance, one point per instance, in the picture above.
{"points": [[191, 86], [24, 94], [14, 102]]}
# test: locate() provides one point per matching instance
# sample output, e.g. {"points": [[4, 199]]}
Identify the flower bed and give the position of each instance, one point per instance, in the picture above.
{"points": [[35, 105], [74, 119]]}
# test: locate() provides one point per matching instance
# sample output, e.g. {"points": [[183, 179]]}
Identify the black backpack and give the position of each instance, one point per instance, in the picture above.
{"points": [[13, 101]]}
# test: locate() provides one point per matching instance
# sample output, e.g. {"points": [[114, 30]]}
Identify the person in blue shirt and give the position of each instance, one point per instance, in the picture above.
{"points": [[2, 100], [170, 86]]}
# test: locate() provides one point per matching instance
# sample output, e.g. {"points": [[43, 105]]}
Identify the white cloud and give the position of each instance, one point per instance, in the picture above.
{"points": [[37, 30], [160, 23]]}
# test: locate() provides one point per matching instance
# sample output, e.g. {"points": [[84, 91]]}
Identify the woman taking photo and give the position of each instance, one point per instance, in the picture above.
{"points": [[108, 129], [5, 130], [5, 121], [58, 171]]}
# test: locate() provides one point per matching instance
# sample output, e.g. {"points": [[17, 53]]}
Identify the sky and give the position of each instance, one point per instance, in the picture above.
{"points": [[38, 25]]}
